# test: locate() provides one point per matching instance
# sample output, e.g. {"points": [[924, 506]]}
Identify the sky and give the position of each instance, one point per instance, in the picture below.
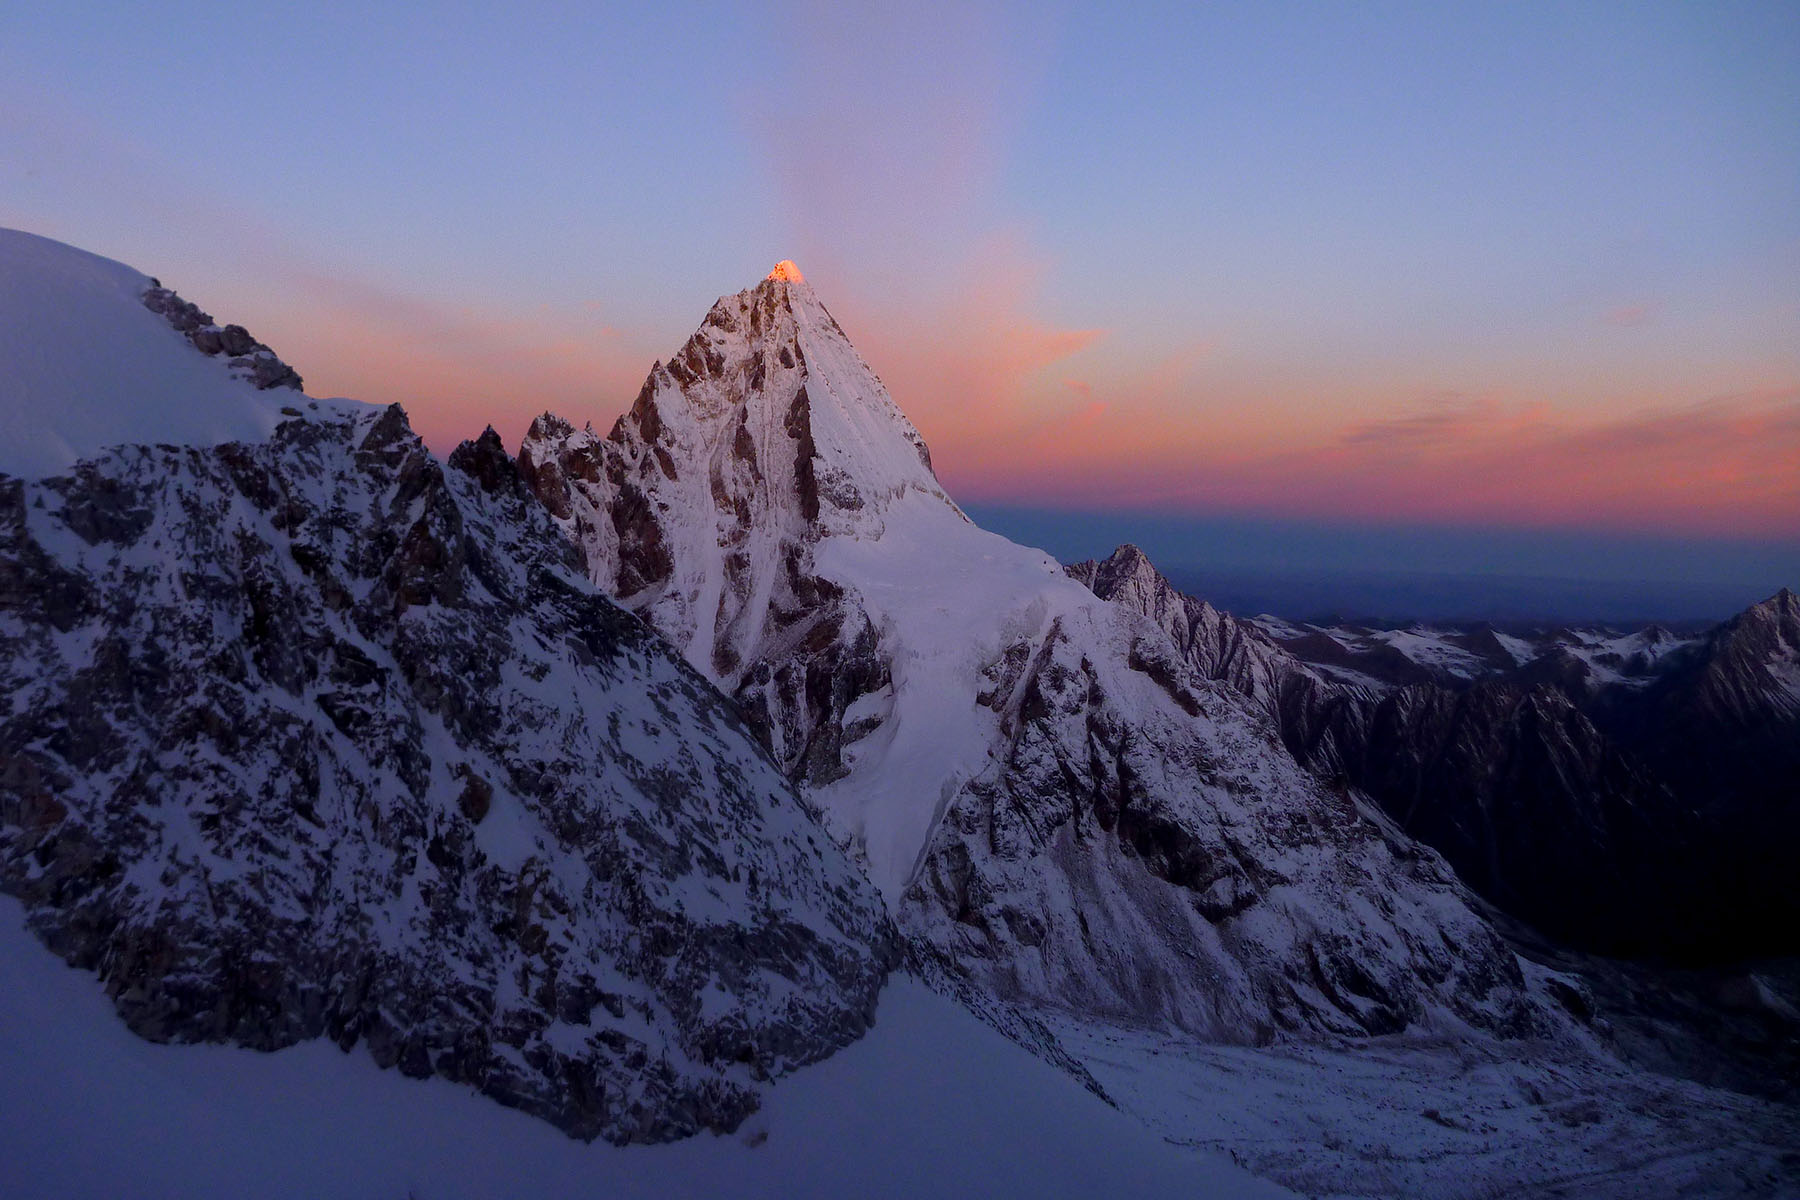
{"points": [[1517, 271]]}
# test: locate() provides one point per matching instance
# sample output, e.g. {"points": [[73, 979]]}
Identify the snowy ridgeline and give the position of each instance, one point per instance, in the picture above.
{"points": [[85, 363]]}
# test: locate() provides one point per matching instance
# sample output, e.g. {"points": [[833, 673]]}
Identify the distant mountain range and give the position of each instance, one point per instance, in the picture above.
{"points": [[1400, 573], [1569, 775]]}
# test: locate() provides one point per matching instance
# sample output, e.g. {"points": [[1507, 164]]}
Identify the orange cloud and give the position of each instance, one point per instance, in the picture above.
{"points": [[457, 370], [1726, 465]]}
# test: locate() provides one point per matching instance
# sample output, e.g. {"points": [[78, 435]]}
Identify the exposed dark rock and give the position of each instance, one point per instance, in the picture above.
{"points": [[249, 357]]}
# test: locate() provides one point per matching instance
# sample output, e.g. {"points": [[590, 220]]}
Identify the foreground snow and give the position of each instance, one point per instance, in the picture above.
{"points": [[930, 1103]]}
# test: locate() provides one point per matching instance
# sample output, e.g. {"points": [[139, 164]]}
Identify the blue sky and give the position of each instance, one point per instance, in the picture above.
{"points": [[1511, 266]]}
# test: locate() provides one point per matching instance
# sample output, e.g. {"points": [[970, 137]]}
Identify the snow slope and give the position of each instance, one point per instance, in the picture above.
{"points": [[86, 365], [930, 1103]]}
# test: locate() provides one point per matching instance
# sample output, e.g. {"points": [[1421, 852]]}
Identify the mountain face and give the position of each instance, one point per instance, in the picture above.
{"points": [[1314, 714], [1720, 725], [1064, 812], [1721, 718], [310, 734], [765, 436], [1572, 780], [320, 736]]}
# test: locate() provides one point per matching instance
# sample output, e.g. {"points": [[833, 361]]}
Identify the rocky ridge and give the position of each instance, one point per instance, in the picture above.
{"points": [[246, 356], [325, 737]]}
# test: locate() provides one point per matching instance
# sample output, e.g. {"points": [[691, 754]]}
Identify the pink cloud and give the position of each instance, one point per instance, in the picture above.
{"points": [[1631, 316], [1728, 465], [886, 136], [457, 370]]}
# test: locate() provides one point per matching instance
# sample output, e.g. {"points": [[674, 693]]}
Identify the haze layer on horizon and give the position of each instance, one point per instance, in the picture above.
{"points": [[1529, 272], [1396, 573]]}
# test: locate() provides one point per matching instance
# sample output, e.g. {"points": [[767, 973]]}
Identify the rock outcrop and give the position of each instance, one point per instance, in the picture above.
{"points": [[246, 356]]}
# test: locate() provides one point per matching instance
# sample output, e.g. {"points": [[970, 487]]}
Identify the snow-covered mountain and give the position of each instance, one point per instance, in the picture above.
{"points": [[1063, 812], [1380, 658], [1303, 698], [313, 735], [320, 736], [1084, 811]]}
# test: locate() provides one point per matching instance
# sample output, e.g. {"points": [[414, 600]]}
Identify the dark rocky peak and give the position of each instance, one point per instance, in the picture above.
{"points": [[1782, 610], [1483, 641], [1127, 564], [1129, 570], [553, 454], [548, 426], [1558, 668], [486, 461], [1753, 647], [389, 431]]}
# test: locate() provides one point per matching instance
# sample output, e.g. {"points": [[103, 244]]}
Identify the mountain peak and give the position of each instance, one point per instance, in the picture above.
{"points": [[1128, 562], [1784, 605], [763, 436]]}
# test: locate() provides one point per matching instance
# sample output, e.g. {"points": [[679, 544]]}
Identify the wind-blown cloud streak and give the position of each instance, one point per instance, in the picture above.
{"points": [[887, 133]]}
